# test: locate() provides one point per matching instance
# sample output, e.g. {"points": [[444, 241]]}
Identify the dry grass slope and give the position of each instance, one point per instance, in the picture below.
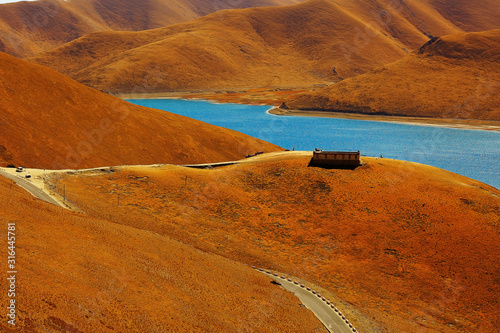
{"points": [[406, 247], [318, 41], [275, 46], [456, 76], [82, 274], [27, 28], [50, 121]]}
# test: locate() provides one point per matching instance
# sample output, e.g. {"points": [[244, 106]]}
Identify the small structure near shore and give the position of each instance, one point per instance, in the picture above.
{"points": [[335, 159]]}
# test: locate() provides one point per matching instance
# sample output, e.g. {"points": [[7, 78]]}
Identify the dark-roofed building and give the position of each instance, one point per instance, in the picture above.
{"points": [[336, 159]]}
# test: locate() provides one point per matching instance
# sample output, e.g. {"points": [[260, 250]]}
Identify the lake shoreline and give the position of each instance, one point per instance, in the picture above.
{"points": [[271, 98], [483, 125], [454, 149]]}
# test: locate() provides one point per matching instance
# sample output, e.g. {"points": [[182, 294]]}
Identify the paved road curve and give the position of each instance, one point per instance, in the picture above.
{"points": [[332, 319], [33, 189]]}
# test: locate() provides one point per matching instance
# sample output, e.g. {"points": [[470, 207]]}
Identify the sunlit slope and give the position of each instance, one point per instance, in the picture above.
{"points": [[50, 121], [318, 41], [291, 45], [30, 27], [406, 247], [82, 274], [456, 76]]}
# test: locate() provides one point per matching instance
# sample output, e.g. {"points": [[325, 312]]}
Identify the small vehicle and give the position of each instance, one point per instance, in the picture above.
{"points": [[28, 176], [19, 169]]}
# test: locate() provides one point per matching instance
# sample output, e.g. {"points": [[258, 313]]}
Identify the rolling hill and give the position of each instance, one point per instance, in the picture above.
{"points": [[31, 27], [234, 48], [315, 42], [399, 246], [50, 121], [455, 76], [77, 273]]}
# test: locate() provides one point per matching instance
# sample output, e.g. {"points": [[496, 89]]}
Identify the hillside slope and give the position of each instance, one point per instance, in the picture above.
{"points": [[50, 121], [81, 274], [30, 27], [318, 41], [273, 46], [399, 246], [456, 76]]}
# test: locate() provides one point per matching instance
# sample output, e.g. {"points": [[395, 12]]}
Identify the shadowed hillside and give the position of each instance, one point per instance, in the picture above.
{"points": [[405, 247], [456, 76], [30, 27], [82, 274], [50, 121]]}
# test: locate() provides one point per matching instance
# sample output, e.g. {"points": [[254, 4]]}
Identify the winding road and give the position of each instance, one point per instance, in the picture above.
{"points": [[31, 188], [331, 317]]}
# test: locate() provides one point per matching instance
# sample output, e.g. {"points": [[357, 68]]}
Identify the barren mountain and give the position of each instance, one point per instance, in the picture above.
{"points": [[30, 27], [82, 274], [50, 121], [456, 76], [318, 41], [289, 45], [399, 246]]}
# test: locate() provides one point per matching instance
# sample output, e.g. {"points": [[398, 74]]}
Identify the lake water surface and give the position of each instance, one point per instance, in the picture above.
{"points": [[472, 153]]}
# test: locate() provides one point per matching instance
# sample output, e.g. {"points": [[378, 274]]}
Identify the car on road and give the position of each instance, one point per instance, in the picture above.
{"points": [[19, 169]]}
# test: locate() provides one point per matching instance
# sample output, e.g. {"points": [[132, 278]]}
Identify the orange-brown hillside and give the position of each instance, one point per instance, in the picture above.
{"points": [[77, 273], [30, 27], [318, 41], [456, 76], [50, 121], [273, 46], [402, 247]]}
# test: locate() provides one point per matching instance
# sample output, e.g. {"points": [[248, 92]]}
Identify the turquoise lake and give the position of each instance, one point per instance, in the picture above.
{"points": [[472, 153]]}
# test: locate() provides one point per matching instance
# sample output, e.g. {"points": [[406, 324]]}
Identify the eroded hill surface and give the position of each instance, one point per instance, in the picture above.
{"points": [[402, 247], [31, 27], [456, 76], [50, 121], [78, 273]]}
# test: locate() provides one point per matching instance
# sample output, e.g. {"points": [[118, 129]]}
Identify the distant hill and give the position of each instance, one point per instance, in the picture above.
{"points": [[50, 121], [315, 42], [456, 76], [30, 27]]}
